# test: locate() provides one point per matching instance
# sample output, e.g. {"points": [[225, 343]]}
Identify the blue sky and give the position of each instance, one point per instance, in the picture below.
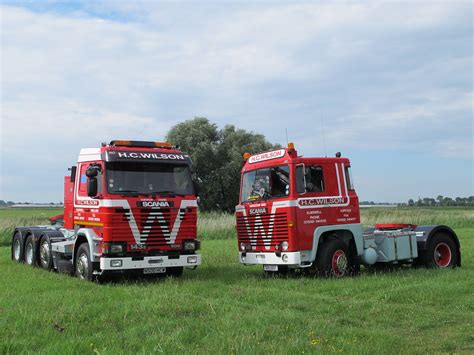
{"points": [[390, 84]]}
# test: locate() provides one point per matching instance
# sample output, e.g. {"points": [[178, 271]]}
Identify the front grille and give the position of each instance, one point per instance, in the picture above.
{"points": [[264, 229], [156, 225]]}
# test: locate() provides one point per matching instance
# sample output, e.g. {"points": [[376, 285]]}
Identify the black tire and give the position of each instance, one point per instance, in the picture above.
{"points": [[333, 259], [30, 255], [441, 252], [17, 249], [174, 271], [45, 258], [82, 263]]}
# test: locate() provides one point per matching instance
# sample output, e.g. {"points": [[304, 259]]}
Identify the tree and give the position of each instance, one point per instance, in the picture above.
{"points": [[217, 158], [411, 202]]}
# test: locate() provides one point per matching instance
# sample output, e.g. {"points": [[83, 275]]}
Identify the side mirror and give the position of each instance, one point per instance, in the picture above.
{"points": [[92, 186], [91, 172], [197, 188]]}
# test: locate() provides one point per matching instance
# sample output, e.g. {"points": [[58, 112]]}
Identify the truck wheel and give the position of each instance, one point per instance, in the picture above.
{"points": [[83, 265], [441, 252], [30, 252], [17, 249], [333, 259], [45, 259], [174, 271]]}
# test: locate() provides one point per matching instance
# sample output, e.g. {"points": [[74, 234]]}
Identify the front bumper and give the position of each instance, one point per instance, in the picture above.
{"points": [[293, 258], [148, 262]]}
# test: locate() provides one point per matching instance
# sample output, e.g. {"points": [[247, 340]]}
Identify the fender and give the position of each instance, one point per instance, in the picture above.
{"points": [[355, 229], [88, 234], [425, 233]]}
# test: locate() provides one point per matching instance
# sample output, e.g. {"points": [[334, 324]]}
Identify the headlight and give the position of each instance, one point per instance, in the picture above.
{"points": [[189, 245], [284, 246], [242, 246], [115, 263], [192, 259], [114, 248]]}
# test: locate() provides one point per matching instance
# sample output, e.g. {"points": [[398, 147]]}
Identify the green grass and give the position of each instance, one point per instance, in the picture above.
{"points": [[223, 307]]}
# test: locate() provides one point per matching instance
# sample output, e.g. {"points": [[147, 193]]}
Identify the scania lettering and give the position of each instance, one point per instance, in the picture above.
{"points": [[129, 206], [299, 214]]}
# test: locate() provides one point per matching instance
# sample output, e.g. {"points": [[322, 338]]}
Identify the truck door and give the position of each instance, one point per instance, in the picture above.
{"points": [[311, 189]]}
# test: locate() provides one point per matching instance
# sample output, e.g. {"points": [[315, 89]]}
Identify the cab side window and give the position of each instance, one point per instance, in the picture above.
{"points": [[83, 179], [310, 179]]}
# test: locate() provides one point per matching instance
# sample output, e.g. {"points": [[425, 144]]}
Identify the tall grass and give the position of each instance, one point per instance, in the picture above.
{"points": [[455, 217]]}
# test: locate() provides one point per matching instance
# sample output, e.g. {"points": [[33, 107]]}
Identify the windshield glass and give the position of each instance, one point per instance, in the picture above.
{"points": [[148, 178], [265, 183]]}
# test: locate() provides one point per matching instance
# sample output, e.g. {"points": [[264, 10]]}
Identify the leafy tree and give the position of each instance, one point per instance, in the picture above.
{"points": [[217, 158]]}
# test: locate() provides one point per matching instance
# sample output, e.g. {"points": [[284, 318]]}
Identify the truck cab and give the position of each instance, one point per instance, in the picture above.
{"points": [[298, 212], [128, 206]]}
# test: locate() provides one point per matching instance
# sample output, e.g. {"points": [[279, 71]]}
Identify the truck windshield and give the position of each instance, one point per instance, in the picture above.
{"points": [[148, 178], [266, 183]]}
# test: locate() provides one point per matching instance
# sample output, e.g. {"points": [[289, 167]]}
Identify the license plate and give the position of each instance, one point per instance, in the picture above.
{"points": [[270, 267], [154, 270]]}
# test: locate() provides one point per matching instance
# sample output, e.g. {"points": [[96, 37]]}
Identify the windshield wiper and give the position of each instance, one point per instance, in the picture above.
{"points": [[127, 192], [166, 192]]}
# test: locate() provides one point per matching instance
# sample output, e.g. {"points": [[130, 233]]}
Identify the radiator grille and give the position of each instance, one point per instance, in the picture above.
{"points": [[264, 229]]}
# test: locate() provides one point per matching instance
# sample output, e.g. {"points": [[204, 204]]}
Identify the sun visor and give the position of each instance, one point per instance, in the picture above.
{"points": [[141, 156]]}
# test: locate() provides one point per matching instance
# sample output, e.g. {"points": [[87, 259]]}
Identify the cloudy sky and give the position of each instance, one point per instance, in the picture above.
{"points": [[389, 85]]}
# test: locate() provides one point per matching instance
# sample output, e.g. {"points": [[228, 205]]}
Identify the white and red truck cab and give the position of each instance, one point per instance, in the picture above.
{"points": [[128, 206], [296, 212]]}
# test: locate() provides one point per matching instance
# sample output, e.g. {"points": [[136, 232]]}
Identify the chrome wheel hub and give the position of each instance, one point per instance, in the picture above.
{"points": [[29, 254], [16, 250], [44, 253], [82, 266]]}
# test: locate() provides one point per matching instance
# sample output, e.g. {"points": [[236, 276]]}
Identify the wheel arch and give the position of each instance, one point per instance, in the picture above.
{"points": [[351, 234], [426, 233], [87, 235]]}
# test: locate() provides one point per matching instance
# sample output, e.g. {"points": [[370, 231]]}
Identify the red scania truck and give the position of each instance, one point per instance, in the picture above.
{"points": [[298, 213], [128, 206]]}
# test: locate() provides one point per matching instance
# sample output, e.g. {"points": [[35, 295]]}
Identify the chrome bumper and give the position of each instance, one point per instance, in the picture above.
{"points": [[293, 258], [149, 262]]}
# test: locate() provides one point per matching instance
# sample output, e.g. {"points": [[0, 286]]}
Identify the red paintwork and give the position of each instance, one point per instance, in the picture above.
{"points": [[304, 210], [114, 223], [68, 203]]}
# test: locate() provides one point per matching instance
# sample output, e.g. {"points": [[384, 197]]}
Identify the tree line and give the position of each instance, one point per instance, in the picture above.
{"points": [[441, 200]]}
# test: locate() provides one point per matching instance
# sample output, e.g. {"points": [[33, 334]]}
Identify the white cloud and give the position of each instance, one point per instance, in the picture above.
{"points": [[386, 75]]}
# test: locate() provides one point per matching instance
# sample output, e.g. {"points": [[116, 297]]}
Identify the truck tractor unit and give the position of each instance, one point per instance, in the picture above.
{"points": [[129, 206], [298, 213]]}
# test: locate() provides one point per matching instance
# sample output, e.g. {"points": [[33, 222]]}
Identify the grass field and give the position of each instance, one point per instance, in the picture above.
{"points": [[223, 307]]}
